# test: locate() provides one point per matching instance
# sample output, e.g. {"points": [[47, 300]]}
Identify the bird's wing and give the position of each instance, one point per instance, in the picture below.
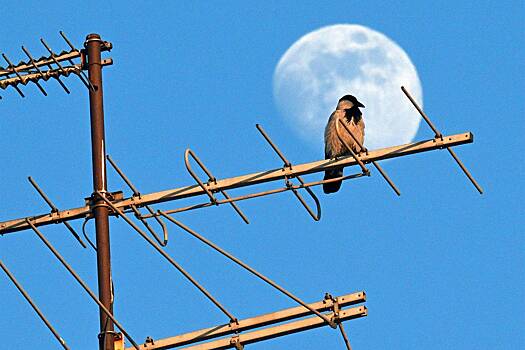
{"points": [[332, 144]]}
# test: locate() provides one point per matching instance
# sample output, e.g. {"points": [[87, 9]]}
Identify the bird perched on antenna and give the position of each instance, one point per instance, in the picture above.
{"points": [[348, 112]]}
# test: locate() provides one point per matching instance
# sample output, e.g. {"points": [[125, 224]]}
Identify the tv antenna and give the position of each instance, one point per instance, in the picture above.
{"points": [[330, 311]]}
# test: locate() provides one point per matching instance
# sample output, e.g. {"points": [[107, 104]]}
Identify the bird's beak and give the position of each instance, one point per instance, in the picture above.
{"points": [[359, 104]]}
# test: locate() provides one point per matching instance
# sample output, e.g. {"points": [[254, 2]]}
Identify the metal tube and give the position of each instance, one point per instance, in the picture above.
{"points": [[33, 305], [104, 309], [275, 148], [100, 211], [422, 113], [139, 216], [465, 170], [52, 54], [247, 267], [345, 337], [42, 194], [123, 176], [57, 77], [169, 258]]}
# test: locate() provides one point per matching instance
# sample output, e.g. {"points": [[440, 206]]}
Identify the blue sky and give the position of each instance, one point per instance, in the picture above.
{"points": [[442, 266]]}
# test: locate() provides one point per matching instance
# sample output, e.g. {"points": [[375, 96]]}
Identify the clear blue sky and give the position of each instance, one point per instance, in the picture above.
{"points": [[442, 266]]}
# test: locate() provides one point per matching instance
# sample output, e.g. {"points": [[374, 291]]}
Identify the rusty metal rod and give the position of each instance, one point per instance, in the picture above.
{"points": [[422, 113], [38, 70], [275, 148], [123, 176], [345, 337], [86, 235], [82, 76], [316, 216], [287, 163], [81, 282], [33, 305], [465, 170], [42, 194], [439, 135], [12, 67], [246, 267], [212, 178], [187, 153], [57, 77], [169, 258], [52, 54], [138, 215], [54, 209], [376, 165]]}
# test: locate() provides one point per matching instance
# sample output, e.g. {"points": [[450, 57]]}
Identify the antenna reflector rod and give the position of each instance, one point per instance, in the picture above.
{"points": [[80, 281], [12, 67], [439, 135], [54, 209], [38, 70], [33, 305]]}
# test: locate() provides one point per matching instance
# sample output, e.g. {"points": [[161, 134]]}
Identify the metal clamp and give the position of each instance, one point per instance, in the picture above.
{"points": [[212, 178], [236, 342], [336, 319], [287, 164]]}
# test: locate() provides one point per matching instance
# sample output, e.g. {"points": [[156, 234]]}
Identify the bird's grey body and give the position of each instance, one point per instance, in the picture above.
{"points": [[348, 112]]}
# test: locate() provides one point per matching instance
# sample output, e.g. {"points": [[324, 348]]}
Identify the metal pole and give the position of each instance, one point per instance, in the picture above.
{"points": [[100, 211]]}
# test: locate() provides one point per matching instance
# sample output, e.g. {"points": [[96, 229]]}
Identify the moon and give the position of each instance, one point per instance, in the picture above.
{"points": [[328, 63]]}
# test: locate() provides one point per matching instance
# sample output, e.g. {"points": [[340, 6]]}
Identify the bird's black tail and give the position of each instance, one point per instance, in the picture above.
{"points": [[332, 187]]}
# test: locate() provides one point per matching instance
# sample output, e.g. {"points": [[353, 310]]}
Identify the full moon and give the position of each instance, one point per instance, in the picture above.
{"points": [[326, 64]]}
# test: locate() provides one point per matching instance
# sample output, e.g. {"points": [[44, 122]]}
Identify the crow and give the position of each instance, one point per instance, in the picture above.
{"points": [[348, 111]]}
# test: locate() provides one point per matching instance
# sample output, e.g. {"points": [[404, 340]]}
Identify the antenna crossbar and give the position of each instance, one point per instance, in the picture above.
{"points": [[242, 181], [265, 320]]}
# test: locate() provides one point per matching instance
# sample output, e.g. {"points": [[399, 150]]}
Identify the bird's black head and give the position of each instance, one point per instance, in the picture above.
{"points": [[353, 99]]}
